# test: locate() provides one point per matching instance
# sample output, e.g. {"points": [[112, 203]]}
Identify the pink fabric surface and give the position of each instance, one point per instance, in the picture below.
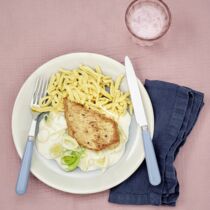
{"points": [[34, 31]]}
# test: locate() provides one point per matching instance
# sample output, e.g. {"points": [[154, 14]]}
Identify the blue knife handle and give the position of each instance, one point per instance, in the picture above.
{"points": [[22, 180], [151, 161]]}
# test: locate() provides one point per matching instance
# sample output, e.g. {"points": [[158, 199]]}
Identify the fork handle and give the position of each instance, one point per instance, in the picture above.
{"points": [[22, 180]]}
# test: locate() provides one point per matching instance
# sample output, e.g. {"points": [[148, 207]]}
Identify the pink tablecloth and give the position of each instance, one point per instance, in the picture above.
{"points": [[34, 31]]}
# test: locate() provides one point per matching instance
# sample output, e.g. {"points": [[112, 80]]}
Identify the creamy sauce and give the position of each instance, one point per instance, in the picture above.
{"points": [[51, 142], [51, 133]]}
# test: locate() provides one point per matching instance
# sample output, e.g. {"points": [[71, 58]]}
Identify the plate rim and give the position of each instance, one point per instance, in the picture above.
{"points": [[33, 171]]}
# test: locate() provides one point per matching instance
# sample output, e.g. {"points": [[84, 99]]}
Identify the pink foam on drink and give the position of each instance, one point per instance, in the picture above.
{"points": [[148, 20]]}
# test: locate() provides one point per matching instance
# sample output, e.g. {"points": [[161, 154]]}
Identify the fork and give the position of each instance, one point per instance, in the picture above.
{"points": [[22, 181]]}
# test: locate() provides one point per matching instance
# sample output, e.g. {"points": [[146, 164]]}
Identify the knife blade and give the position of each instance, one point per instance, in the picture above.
{"points": [[139, 112]]}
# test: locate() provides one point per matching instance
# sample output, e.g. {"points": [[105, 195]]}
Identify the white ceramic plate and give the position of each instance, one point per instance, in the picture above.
{"points": [[77, 181]]}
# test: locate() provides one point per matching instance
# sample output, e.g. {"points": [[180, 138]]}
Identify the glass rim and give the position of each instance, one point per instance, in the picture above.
{"points": [[150, 39]]}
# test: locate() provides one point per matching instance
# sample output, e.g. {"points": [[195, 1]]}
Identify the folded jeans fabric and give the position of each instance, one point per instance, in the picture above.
{"points": [[176, 110]]}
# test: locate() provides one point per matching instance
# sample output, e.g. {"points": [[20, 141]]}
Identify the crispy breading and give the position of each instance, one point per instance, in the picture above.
{"points": [[91, 129]]}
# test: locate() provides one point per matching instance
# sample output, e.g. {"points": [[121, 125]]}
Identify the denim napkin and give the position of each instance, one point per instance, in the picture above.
{"points": [[176, 110]]}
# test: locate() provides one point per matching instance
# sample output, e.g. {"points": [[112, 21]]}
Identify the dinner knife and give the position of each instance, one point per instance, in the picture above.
{"points": [[139, 112]]}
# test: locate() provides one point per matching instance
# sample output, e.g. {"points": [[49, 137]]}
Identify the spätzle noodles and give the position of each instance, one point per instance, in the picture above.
{"points": [[86, 86]]}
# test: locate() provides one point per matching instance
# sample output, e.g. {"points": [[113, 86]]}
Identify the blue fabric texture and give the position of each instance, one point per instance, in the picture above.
{"points": [[176, 110]]}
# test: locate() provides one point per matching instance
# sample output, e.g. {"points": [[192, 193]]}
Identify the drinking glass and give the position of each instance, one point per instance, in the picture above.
{"points": [[147, 21]]}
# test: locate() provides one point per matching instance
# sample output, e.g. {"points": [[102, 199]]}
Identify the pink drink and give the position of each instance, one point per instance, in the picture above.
{"points": [[148, 19]]}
